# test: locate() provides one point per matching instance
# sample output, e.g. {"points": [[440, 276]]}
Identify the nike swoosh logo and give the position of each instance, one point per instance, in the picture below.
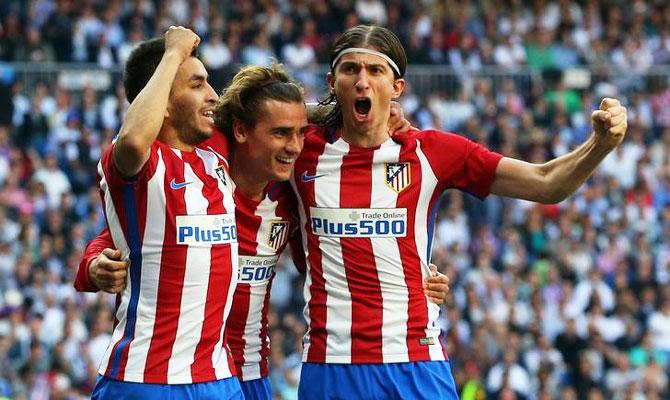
{"points": [[174, 185], [308, 178]]}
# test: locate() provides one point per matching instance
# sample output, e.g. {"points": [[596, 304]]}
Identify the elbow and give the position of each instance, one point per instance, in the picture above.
{"points": [[130, 146], [548, 200], [553, 194], [552, 190]]}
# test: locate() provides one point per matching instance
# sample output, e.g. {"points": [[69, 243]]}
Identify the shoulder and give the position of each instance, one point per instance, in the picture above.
{"points": [[218, 143], [431, 136], [315, 133]]}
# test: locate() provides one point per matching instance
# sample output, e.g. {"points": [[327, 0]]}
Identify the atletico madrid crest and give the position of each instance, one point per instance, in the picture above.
{"points": [[278, 234], [398, 176], [221, 173]]}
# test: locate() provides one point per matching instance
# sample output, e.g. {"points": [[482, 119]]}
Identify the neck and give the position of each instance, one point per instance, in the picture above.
{"points": [[246, 183], [361, 137], [170, 138]]}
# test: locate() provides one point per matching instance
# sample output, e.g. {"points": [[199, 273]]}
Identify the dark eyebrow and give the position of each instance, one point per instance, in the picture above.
{"points": [[198, 78], [383, 66], [367, 65], [350, 63], [281, 129]]}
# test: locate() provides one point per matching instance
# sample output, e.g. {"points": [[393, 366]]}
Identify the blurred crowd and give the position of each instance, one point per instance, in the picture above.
{"points": [[560, 301]]}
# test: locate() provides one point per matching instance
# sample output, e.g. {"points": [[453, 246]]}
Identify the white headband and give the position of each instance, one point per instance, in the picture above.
{"points": [[367, 51]]}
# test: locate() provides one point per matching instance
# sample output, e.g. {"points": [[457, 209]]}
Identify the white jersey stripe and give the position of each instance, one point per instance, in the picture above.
{"points": [[306, 288], [211, 161], [151, 261], [192, 307], [391, 278], [252, 350], [121, 244], [429, 183], [338, 308]]}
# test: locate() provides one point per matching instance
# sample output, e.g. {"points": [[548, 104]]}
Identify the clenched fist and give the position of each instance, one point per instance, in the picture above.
{"points": [[610, 122], [181, 40], [108, 271]]}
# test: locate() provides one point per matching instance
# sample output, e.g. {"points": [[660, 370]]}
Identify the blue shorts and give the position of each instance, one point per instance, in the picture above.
{"points": [[412, 380], [257, 389], [224, 389]]}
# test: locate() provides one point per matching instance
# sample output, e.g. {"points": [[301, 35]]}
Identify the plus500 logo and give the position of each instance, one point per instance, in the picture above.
{"points": [[206, 229], [256, 269], [359, 222]]}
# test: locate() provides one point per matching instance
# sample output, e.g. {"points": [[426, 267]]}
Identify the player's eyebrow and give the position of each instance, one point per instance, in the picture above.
{"points": [[352, 63], [197, 78]]}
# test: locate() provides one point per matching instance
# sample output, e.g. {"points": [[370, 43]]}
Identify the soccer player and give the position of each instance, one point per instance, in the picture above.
{"points": [[170, 211], [265, 115], [267, 132], [367, 210]]}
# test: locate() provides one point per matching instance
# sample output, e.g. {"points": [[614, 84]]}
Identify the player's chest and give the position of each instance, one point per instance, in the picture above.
{"points": [[196, 187], [375, 178]]}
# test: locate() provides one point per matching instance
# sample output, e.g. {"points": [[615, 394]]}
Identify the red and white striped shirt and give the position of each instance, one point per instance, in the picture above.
{"points": [[368, 216], [175, 222], [264, 228]]}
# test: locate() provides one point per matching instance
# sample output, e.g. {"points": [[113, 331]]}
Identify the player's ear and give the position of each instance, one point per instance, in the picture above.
{"points": [[398, 87], [240, 131], [330, 79]]}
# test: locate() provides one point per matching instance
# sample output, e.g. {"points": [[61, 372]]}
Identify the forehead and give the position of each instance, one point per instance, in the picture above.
{"points": [[283, 114], [363, 58], [191, 66]]}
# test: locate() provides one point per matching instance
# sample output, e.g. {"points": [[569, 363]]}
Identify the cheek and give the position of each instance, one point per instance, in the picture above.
{"points": [[179, 107]]}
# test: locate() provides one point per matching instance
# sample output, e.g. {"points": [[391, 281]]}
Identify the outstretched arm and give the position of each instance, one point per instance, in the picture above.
{"points": [[146, 113], [557, 179]]}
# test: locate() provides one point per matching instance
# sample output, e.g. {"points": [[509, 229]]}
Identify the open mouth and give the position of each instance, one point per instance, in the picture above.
{"points": [[363, 105]]}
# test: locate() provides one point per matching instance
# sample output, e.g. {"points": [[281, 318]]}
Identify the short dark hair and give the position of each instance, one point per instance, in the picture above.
{"points": [[142, 64], [243, 98], [382, 39]]}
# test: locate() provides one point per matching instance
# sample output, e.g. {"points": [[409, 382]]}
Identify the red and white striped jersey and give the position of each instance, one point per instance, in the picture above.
{"points": [[264, 228], [368, 216], [175, 222]]}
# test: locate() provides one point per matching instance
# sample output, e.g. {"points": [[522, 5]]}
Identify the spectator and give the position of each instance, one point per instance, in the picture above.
{"points": [[58, 30], [508, 374], [260, 53], [659, 327], [371, 11], [10, 38], [541, 257], [53, 179], [33, 49]]}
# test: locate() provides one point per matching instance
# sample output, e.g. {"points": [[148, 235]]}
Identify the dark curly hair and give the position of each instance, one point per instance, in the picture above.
{"points": [[142, 64]]}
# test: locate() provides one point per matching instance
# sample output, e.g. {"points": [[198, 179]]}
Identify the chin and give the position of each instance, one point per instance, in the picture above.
{"points": [[281, 176], [201, 136]]}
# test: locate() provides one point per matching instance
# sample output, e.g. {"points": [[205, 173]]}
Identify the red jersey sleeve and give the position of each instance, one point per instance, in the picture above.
{"points": [[111, 174], [459, 162], [82, 282]]}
